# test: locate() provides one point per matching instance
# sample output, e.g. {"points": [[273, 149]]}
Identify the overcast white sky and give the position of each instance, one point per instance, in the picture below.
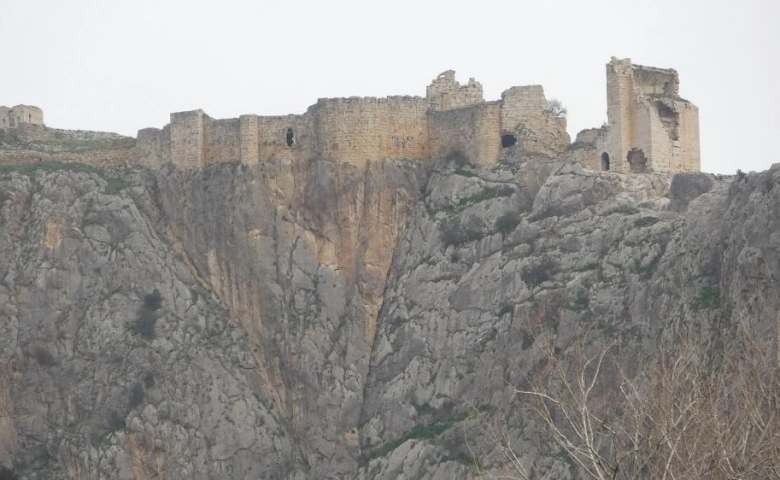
{"points": [[124, 65]]}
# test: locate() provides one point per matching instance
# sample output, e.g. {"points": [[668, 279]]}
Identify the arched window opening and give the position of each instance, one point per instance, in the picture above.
{"points": [[290, 137], [605, 161], [508, 140]]}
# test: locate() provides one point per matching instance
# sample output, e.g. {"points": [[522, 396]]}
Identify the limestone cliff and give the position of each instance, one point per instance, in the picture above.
{"points": [[299, 320]]}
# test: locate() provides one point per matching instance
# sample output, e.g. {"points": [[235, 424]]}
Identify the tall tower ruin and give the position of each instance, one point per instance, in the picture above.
{"points": [[650, 127]]}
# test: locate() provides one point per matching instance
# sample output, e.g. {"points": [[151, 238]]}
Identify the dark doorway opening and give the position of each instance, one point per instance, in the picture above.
{"points": [[636, 160], [508, 140], [605, 161], [290, 137]]}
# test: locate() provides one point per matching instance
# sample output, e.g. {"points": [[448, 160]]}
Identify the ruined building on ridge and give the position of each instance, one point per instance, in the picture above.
{"points": [[17, 117], [451, 118], [649, 129]]}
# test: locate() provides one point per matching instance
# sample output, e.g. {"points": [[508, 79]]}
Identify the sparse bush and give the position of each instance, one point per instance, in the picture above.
{"points": [[458, 158], [506, 223], [709, 298], [147, 316], [116, 422], [453, 232], [537, 274], [44, 357], [153, 301], [6, 474], [556, 107], [645, 222], [136, 396], [625, 210], [421, 432]]}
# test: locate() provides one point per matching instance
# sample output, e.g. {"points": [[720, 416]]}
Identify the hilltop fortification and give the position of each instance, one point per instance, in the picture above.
{"points": [[451, 118], [650, 129]]}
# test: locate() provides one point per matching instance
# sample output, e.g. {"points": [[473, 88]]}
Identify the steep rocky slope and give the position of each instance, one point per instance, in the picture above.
{"points": [[321, 321]]}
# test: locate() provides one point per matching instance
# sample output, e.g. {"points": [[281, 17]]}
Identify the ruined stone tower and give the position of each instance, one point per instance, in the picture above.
{"points": [[15, 117], [650, 127]]}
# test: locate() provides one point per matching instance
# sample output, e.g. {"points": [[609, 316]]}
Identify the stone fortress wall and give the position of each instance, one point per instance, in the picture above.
{"points": [[650, 129], [451, 118]]}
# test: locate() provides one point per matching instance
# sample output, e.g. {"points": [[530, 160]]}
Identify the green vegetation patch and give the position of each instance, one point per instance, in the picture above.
{"points": [[114, 184], [484, 194], [143, 326], [707, 299], [645, 222], [538, 273], [455, 232], [421, 432], [624, 210], [508, 222], [464, 173]]}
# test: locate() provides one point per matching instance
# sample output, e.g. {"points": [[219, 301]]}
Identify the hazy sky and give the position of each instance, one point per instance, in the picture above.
{"points": [[124, 65]]}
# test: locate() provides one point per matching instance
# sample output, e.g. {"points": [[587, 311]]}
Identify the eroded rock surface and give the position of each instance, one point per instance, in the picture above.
{"points": [[330, 321]]}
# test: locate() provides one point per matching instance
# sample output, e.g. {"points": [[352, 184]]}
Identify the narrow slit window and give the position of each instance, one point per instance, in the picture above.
{"points": [[290, 137]]}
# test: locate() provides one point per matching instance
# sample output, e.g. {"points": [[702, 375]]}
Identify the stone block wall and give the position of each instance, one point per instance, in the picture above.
{"points": [[445, 93], [288, 137], [355, 130], [471, 131], [525, 113], [187, 139], [248, 139], [153, 146], [221, 141]]}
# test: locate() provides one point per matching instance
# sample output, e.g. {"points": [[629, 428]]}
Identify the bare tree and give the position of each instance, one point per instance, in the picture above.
{"points": [[556, 107], [686, 414]]}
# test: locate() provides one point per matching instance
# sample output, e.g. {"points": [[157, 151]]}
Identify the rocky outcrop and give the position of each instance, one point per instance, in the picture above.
{"points": [[321, 320]]}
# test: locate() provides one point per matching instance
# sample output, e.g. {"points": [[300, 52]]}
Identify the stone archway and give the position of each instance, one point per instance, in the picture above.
{"points": [[605, 161]]}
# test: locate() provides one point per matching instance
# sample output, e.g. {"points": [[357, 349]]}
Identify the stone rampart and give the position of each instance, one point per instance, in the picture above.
{"points": [[356, 130], [187, 139], [470, 132], [650, 129]]}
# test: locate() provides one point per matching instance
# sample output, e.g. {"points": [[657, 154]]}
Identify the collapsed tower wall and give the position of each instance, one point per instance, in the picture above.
{"points": [[650, 127]]}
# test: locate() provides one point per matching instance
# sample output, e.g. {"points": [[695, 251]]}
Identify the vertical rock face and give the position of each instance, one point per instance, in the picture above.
{"points": [[321, 320], [299, 256]]}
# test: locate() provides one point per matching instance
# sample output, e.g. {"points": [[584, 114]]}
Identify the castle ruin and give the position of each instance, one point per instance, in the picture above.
{"points": [[650, 129], [451, 118], [16, 117]]}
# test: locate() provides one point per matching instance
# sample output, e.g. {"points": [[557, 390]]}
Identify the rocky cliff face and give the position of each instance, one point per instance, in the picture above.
{"points": [[322, 321]]}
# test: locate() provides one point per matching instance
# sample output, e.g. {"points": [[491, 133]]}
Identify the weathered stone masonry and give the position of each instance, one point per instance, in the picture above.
{"points": [[450, 118], [19, 116], [650, 129]]}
